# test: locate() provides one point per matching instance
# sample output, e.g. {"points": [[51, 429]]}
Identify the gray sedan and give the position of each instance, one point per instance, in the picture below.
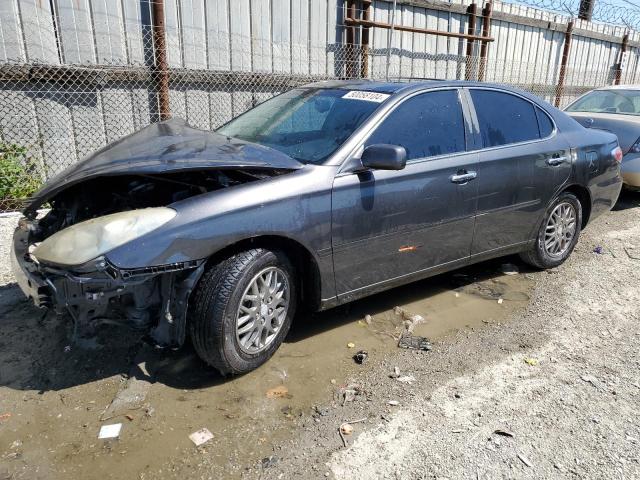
{"points": [[321, 195], [615, 109]]}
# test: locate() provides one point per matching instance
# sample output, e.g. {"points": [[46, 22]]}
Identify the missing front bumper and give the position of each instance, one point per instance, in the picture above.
{"points": [[154, 298]]}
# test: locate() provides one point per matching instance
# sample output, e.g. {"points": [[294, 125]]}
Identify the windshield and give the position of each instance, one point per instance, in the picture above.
{"points": [[626, 102], [308, 124]]}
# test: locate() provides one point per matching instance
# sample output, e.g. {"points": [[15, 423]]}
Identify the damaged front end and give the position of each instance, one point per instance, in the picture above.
{"points": [[112, 200], [152, 299]]}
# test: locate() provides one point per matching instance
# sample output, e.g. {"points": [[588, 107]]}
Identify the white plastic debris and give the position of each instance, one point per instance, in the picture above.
{"points": [[393, 403], [201, 437], [110, 431]]}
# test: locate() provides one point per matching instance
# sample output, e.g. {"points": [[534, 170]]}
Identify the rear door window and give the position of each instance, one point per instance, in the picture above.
{"points": [[426, 125], [504, 118]]}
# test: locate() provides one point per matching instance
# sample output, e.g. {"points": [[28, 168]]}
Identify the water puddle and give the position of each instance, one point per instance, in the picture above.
{"points": [[244, 418]]}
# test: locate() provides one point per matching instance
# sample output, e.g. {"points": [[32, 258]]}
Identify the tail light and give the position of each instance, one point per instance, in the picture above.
{"points": [[617, 154]]}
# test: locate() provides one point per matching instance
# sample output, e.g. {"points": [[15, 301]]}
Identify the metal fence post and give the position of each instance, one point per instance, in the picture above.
{"points": [[563, 66], [486, 32], [366, 16], [351, 41], [623, 50], [390, 38], [471, 30], [160, 54]]}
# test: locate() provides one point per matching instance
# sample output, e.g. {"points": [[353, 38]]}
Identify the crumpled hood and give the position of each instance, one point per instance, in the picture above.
{"points": [[625, 127], [162, 147]]}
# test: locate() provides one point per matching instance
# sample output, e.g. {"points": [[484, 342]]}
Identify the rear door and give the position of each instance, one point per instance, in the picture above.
{"points": [[523, 162], [388, 225]]}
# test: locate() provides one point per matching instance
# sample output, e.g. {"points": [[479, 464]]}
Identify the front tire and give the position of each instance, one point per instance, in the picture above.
{"points": [[558, 234], [242, 310]]}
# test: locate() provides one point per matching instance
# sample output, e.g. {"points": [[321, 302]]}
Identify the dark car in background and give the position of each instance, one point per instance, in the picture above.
{"points": [[615, 109], [319, 196]]}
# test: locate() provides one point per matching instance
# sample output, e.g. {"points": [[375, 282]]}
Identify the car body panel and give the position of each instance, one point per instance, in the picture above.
{"points": [[625, 127], [389, 223], [163, 147]]}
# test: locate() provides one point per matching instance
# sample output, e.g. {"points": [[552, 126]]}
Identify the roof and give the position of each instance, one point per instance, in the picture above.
{"points": [[620, 87], [395, 87]]}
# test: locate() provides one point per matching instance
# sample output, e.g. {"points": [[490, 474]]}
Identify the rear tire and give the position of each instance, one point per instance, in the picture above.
{"points": [[558, 233], [242, 310]]}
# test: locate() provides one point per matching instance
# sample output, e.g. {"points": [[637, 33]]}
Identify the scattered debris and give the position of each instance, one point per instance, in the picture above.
{"points": [[368, 319], [129, 417], [349, 393], [510, 269], [414, 342], [201, 437], [349, 423], [393, 403], [599, 250], [525, 460], [407, 379], [632, 252], [413, 318], [593, 381], [110, 431], [396, 373], [503, 433], [361, 357], [346, 429], [323, 412], [133, 393], [351, 345], [278, 392], [531, 361], [500, 301], [5, 416], [269, 462]]}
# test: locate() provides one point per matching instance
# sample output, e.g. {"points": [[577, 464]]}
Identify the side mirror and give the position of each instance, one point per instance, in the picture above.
{"points": [[384, 157]]}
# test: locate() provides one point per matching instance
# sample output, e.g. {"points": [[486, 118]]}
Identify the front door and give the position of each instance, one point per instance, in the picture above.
{"points": [[388, 225], [522, 165]]}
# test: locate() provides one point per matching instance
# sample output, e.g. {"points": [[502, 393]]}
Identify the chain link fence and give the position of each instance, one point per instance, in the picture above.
{"points": [[53, 115]]}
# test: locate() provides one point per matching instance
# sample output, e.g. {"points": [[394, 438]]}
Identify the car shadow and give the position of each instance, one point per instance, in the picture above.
{"points": [[627, 199], [37, 351]]}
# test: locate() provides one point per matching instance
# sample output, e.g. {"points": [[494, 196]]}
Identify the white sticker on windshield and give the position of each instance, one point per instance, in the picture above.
{"points": [[366, 96]]}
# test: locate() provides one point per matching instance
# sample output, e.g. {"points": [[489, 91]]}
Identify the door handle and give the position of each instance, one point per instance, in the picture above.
{"points": [[463, 177], [555, 161]]}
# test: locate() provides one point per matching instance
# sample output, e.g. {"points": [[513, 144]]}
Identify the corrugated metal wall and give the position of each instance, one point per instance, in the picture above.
{"points": [[274, 44]]}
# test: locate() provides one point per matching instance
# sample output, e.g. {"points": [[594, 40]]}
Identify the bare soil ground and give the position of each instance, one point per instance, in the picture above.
{"points": [[545, 384]]}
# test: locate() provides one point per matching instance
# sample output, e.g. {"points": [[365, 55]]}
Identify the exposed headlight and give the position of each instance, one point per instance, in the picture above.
{"points": [[87, 240]]}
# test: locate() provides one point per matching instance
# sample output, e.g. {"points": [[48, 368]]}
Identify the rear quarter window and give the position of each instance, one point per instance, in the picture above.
{"points": [[544, 123], [504, 118]]}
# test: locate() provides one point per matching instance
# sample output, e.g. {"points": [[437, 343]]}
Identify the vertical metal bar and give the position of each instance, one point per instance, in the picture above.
{"points": [[563, 66], [471, 30], [390, 37], [160, 53], [351, 40], [366, 16], [585, 12], [623, 49], [486, 33]]}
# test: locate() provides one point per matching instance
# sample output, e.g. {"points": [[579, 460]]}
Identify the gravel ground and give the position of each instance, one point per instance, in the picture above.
{"points": [[551, 392], [554, 393]]}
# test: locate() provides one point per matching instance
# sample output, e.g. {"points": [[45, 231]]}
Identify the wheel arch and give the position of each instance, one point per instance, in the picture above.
{"points": [[303, 260], [584, 197]]}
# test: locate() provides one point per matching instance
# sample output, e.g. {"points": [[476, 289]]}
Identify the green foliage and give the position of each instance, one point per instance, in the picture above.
{"points": [[19, 177]]}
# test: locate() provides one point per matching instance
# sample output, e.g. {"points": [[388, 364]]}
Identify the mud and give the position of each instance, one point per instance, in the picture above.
{"points": [[57, 392]]}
